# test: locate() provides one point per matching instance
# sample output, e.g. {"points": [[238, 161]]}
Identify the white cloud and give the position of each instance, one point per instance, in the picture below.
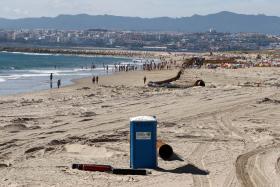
{"points": [[20, 12]]}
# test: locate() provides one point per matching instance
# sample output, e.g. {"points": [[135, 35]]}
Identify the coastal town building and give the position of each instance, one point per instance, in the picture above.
{"points": [[154, 41]]}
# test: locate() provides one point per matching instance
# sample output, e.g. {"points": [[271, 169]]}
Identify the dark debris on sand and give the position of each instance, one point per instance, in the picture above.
{"points": [[268, 100]]}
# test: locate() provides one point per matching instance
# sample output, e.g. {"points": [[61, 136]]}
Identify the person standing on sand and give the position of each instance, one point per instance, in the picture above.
{"points": [[58, 83], [51, 79], [93, 79], [145, 79], [96, 79]]}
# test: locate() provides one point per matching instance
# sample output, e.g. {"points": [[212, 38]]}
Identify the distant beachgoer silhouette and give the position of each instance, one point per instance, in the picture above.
{"points": [[145, 79], [93, 79], [58, 83], [51, 79], [96, 79]]}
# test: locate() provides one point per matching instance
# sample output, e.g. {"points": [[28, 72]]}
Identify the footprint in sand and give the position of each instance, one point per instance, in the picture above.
{"points": [[57, 142], [48, 149], [34, 149], [15, 127], [23, 120], [4, 165], [88, 114], [55, 132], [35, 152], [84, 120]]}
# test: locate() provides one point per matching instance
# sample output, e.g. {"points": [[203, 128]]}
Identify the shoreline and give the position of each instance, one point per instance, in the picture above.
{"points": [[87, 82], [69, 81], [74, 82]]}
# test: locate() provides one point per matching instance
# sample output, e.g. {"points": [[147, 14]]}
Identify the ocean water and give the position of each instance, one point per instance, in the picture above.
{"points": [[26, 72]]}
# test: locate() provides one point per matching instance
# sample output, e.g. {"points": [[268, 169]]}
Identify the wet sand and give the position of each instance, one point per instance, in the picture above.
{"points": [[230, 128]]}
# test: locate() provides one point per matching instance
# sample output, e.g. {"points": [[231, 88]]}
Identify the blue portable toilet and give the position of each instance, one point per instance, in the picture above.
{"points": [[143, 140]]}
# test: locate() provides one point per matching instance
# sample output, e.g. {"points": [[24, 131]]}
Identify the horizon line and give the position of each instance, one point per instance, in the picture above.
{"points": [[229, 12]]}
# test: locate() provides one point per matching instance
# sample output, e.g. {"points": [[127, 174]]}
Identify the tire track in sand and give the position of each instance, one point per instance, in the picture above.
{"points": [[278, 166], [197, 158], [247, 173], [231, 179], [225, 123]]}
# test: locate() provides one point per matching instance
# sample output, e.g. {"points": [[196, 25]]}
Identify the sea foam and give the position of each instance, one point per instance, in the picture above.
{"points": [[2, 80]]}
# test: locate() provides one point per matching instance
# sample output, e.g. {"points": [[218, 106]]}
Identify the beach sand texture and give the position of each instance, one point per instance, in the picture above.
{"points": [[230, 128]]}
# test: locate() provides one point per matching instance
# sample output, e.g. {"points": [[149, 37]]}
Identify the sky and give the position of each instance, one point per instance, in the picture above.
{"points": [[142, 8]]}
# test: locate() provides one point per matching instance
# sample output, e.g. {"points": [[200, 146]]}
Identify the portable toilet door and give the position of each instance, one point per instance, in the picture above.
{"points": [[143, 138]]}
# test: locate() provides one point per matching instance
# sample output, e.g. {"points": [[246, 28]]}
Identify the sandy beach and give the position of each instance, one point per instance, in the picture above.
{"points": [[229, 129]]}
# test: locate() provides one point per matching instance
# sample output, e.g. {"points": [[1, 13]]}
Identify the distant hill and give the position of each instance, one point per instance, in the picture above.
{"points": [[222, 22]]}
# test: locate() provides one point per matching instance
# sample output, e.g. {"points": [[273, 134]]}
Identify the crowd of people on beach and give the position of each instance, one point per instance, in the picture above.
{"points": [[157, 66], [163, 65], [127, 67], [146, 66]]}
